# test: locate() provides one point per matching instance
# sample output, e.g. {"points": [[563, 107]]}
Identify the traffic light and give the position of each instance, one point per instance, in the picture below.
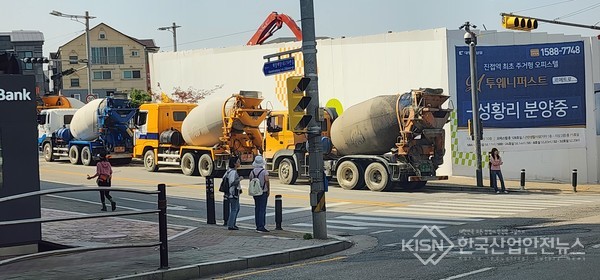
{"points": [[35, 60], [519, 23], [297, 103], [470, 128]]}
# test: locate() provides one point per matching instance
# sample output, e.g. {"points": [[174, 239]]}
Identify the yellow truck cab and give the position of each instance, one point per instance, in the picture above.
{"points": [[158, 135], [285, 151]]}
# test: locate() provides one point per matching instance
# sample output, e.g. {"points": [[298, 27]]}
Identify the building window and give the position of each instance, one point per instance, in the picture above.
{"points": [[26, 66], [131, 74], [102, 36], [102, 75], [108, 55], [135, 53], [75, 82], [77, 96], [73, 59]]}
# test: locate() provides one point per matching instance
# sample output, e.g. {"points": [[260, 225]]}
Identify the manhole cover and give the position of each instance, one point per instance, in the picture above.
{"points": [[109, 236]]}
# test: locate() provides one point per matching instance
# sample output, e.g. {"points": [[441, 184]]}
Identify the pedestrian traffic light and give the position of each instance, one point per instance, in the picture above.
{"points": [[519, 23], [35, 60], [297, 103]]}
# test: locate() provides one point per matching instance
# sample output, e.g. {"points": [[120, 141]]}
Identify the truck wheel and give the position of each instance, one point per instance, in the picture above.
{"points": [[189, 164], [74, 155], [349, 176], [206, 165], [376, 177], [48, 152], [149, 162], [86, 156], [287, 172]]}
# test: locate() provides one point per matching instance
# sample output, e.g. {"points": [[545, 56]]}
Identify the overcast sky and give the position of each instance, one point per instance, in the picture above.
{"points": [[210, 24]]}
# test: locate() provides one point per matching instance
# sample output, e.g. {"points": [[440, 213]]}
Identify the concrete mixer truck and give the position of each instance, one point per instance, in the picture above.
{"points": [[200, 138], [383, 142], [101, 126]]}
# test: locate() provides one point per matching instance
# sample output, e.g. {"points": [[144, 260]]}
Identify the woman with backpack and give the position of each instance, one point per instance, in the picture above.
{"points": [[235, 189], [104, 174], [260, 201]]}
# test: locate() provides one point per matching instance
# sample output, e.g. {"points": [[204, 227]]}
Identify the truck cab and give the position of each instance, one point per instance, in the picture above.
{"points": [[50, 121], [158, 135]]}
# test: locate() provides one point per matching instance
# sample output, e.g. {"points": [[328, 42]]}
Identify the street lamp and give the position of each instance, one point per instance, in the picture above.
{"points": [[172, 29], [87, 18], [471, 40]]}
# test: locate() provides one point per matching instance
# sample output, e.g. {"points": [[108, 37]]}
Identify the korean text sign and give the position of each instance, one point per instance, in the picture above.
{"points": [[520, 86]]}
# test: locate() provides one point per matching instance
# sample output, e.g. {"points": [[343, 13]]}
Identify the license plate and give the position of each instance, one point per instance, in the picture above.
{"points": [[119, 149]]}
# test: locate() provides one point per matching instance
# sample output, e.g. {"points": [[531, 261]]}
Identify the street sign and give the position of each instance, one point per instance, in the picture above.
{"points": [[279, 66]]}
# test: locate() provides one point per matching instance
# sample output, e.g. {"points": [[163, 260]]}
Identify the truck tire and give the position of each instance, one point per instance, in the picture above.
{"points": [[206, 165], [287, 172], [189, 164], [349, 176], [74, 157], [377, 177], [48, 152], [87, 158], [149, 161]]}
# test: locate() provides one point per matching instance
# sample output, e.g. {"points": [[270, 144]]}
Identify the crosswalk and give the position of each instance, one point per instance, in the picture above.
{"points": [[451, 212]]}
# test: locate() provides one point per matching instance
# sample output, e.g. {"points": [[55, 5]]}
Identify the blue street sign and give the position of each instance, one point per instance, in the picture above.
{"points": [[279, 66]]}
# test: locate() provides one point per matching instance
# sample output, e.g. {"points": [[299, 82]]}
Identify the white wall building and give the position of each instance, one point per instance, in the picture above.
{"points": [[352, 70]]}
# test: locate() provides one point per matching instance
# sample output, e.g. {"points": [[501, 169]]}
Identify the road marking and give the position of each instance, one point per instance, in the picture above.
{"points": [[392, 244], [281, 268], [359, 202], [382, 231], [365, 224], [434, 214], [498, 209], [169, 206], [420, 208], [291, 211], [330, 226], [518, 202], [290, 189], [484, 205], [398, 220], [388, 213], [468, 273]]}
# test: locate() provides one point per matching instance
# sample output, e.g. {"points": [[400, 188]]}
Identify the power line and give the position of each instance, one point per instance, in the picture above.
{"points": [[544, 6], [589, 8]]}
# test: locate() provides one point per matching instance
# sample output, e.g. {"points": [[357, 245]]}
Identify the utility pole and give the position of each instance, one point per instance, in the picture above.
{"points": [[471, 40], [172, 29], [315, 151]]}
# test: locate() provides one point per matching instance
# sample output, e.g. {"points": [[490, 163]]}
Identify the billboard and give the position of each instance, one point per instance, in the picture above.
{"points": [[524, 86]]}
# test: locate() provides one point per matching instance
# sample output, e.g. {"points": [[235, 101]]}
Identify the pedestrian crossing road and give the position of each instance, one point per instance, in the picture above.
{"points": [[444, 213]]}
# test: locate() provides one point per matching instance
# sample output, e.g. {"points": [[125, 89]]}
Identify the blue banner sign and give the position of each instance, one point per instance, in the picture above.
{"points": [[279, 66], [519, 86]]}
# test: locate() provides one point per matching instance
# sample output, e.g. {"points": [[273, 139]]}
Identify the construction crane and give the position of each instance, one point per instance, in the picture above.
{"points": [[273, 23]]}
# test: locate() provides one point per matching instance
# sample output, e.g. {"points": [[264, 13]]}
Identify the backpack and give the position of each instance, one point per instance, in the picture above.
{"points": [[254, 188], [224, 187]]}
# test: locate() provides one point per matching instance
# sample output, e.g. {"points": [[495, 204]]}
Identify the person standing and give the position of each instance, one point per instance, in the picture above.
{"points": [[260, 201], [235, 189], [495, 162], [104, 175]]}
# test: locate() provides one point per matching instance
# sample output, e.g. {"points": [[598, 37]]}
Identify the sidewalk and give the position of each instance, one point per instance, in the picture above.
{"points": [[193, 252], [469, 184]]}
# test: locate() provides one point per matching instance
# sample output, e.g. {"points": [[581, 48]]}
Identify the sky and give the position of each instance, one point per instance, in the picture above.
{"points": [[225, 23]]}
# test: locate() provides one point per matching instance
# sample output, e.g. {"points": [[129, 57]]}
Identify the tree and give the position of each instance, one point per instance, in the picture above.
{"points": [[192, 95], [139, 97]]}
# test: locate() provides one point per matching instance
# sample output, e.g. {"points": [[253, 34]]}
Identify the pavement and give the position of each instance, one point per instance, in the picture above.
{"points": [[199, 251], [194, 252]]}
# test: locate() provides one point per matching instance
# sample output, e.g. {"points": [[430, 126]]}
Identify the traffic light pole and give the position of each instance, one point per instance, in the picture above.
{"points": [[315, 153]]}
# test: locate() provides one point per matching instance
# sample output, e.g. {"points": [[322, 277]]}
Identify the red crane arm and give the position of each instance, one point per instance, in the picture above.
{"points": [[273, 23]]}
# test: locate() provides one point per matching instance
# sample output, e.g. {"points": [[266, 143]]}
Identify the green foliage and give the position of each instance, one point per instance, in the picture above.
{"points": [[307, 236], [139, 97]]}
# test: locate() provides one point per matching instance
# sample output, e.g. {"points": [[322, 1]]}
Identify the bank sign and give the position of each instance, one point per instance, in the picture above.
{"points": [[520, 86]]}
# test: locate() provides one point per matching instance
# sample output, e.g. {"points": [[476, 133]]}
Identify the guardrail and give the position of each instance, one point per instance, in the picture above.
{"points": [[162, 222]]}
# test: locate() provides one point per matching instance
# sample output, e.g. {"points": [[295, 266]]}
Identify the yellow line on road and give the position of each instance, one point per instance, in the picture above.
{"points": [[131, 180], [281, 268]]}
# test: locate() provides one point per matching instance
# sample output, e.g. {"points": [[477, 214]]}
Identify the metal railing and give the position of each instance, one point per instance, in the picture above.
{"points": [[162, 222]]}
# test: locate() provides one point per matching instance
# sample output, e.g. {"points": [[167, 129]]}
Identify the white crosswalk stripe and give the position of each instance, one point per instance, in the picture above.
{"points": [[450, 212]]}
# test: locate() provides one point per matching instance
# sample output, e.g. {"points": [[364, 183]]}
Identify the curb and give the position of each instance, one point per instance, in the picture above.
{"points": [[254, 261]]}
